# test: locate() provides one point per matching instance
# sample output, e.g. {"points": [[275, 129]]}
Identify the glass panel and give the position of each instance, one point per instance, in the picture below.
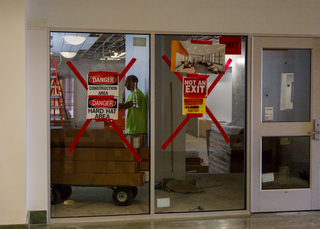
{"points": [[100, 175], [286, 85], [285, 162], [198, 170]]}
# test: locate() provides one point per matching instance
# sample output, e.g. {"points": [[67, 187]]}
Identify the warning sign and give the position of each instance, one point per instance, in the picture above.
{"points": [[194, 105], [102, 108], [103, 83], [194, 94]]}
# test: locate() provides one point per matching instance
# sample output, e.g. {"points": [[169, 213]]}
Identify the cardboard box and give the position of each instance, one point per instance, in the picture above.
{"points": [[198, 168], [203, 126], [144, 165], [136, 140], [193, 161], [78, 154], [144, 152], [116, 167], [60, 138], [73, 166], [98, 138], [114, 154], [91, 154], [91, 179]]}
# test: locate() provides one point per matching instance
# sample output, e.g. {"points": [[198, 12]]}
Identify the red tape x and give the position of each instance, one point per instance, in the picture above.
{"points": [[111, 121], [188, 116]]}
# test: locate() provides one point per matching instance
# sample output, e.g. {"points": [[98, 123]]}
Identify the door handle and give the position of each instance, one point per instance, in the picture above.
{"points": [[315, 134]]}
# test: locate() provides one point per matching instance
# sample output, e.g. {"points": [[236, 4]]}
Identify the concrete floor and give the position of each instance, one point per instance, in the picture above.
{"points": [[220, 192], [288, 220]]}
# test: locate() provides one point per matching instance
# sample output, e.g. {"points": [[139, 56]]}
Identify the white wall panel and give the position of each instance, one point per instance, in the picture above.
{"points": [[37, 123], [232, 16], [13, 113]]}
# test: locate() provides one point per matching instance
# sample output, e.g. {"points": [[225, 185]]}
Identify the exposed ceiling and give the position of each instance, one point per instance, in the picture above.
{"points": [[95, 46], [200, 49], [106, 46]]}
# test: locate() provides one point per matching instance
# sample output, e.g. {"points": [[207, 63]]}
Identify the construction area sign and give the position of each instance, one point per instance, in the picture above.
{"points": [[194, 94], [102, 107], [103, 83]]}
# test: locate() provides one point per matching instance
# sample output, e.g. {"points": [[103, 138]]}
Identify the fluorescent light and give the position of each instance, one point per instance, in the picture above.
{"points": [[68, 55], [74, 40]]}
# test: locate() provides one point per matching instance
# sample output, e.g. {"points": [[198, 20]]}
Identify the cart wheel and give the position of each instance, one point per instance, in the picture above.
{"points": [[65, 191], [55, 195], [122, 196], [134, 192]]}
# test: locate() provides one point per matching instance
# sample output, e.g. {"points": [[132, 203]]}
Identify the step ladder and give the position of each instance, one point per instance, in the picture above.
{"points": [[57, 104]]}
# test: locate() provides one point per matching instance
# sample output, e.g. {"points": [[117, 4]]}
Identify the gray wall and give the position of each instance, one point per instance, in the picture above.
{"points": [[163, 78]]}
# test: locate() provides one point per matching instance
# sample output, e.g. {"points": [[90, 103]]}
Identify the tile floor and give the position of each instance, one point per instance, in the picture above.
{"points": [[288, 220]]}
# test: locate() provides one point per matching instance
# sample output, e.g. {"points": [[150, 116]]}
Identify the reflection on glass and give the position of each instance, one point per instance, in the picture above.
{"points": [[286, 85], [199, 171], [285, 162], [100, 176]]}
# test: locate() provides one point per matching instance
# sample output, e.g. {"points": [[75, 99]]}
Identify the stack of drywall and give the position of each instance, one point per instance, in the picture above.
{"points": [[99, 158], [144, 154], [223, 157]]}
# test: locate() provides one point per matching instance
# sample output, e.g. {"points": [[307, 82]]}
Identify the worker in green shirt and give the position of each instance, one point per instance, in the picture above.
{"points": [[136, 122]]}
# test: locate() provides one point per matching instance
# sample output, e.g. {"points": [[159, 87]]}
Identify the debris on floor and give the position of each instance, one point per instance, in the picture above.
{"points": [[198, 208], [180, 186]]}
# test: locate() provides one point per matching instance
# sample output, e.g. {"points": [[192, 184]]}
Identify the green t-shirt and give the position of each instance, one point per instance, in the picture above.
{"points": [[136, 122]]}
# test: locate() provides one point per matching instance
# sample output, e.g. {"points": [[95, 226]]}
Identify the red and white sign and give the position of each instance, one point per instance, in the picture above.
{"points": [[103, 83], [195, 85], [194, 94], [233, 44], [102, 107]]}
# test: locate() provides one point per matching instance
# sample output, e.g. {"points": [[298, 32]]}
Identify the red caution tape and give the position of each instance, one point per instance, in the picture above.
{"points": [[165, 58], [219, 76], [101, 96], [126, 142], [78, 75], [75, 141], [201, 42], [126, 69], [175, 133], [215, 121]]}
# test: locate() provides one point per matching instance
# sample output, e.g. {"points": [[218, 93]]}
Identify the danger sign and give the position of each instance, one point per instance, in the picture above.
{"points": [[103, 83], [102, 108]]}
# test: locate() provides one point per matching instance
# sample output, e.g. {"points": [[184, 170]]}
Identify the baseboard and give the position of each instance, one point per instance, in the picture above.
{"points": [[37, 217]]}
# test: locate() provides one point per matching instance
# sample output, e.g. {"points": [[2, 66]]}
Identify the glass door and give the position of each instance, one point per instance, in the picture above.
{"points": [[284, 153]]}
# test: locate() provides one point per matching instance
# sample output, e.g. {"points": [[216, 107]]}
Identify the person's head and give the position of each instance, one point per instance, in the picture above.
{"points": [[131, 82]]}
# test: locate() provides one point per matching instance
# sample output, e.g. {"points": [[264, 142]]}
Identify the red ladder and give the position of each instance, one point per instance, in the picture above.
{"points": [[57, 99]]}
